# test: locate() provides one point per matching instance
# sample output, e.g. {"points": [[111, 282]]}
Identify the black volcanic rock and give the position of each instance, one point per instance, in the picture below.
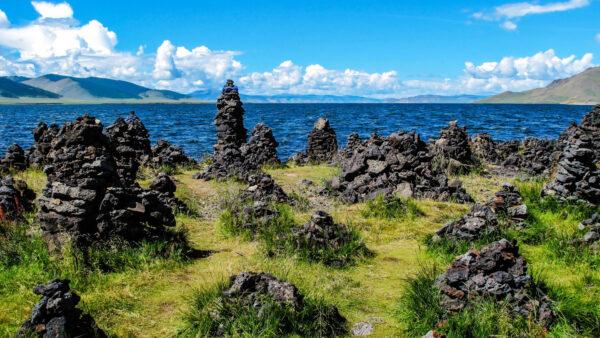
{"points": [[14, 159], [12, 203], [534, 156], [479, 222], [43, 136], [508, 202], [322, 145], [262, 187], [485, 148], [453, 145], [261, 149], [56, 314], [166, 187], [164, 154]]}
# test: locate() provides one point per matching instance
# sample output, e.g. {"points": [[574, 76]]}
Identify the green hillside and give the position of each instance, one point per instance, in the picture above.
{"points": [[12, 89]]}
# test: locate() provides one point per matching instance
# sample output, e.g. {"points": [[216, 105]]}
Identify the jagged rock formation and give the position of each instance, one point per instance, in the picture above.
{"points": [[85, 196], [166, 155], [479, 222], [261, 149], [452, 149], [485, 148], [535, 157], [508, 202], [131, 143], [43, 136], [507, 148], [56, 314], [399, 164], [577, 178], [15, 159], [166, 187], [262, 187], [12, 203], [590, 125], [322, 145], [497, 271]]}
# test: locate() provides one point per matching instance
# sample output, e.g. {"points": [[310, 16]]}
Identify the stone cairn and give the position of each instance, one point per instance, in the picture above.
{"points": [[592, 236], [13, 201], [233, 157], [508, 202], [399, 164], [480, 221], [56, 314], [496, 271], [535, 157], [485, 148], [164, 154], [577, 178], [452, 149], [166, 187], [131, 143], [85, 196], [321, 233], [322, 145], [15, 159], [42, 136], [590, 125]]}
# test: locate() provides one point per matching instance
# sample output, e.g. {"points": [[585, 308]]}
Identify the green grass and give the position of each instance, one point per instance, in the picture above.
{"points": [[391, 208]]}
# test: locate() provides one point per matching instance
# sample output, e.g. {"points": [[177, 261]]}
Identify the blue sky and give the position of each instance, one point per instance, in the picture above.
{"points": [[371, 48]]}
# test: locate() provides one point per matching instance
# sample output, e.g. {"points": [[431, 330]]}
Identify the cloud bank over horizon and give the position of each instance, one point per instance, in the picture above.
{"points": [[57, 43]]}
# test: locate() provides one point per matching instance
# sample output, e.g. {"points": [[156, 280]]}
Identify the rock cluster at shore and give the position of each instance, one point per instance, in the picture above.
{"points": [[577, 178], [399, 164], [590, 125], [261, 149], [131, 143], [452, 149], [164, 154], [497, 271], [86, 198], [56, 314], [534, 156], [42, 136], [12, 201], [322, 145], [485, 148], [479, 222], [15, 159]]}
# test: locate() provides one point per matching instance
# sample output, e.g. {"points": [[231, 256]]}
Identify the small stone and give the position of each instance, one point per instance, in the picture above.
{"points": [[362, 329]]}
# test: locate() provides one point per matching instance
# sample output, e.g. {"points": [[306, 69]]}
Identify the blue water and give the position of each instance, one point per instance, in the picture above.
{"points": [[191, 126]]}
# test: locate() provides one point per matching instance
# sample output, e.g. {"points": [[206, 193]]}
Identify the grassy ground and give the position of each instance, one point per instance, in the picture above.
{"points": [[148, 296]]}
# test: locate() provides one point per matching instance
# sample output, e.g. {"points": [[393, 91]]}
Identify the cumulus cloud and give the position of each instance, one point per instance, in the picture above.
{"points": [[509, 13], [3, 19], [53, 11]]}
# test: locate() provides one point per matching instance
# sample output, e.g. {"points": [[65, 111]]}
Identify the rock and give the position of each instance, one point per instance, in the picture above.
{"points": [[533, 156], [362, 329], [322, 145], [12, 201], [485, 148], [479, 222], [398, 163], [43, 136], [15, 159], [590, 125], [592, 236], [577, 177], [453, 145], [434, 334], [56, 314], [166, 155], [497, 271], [263, 188], [166, 187], [261, 149], [508, 203], [131, 143]]}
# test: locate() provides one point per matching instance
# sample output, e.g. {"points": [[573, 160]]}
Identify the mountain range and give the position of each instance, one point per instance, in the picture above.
{"points": [[583, 88]]}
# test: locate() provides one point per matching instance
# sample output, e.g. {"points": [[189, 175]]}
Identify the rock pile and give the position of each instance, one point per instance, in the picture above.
{"points": [[496, 271], [15, 159], [508, 202], [166, 155], [262, 187], [590, 125], [42, 136], [399, 164], [577, 178], [479, 222], [261, 149], [322, 144], [56, 314], [485, 148], [507, 148], [592, 236], [453, 145], [535, 157], [131, 144], [85, 196], [322, 233], [166, 187], [12, 202]]}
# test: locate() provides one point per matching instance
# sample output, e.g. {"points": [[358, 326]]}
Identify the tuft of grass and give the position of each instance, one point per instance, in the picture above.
{"points": [[391, 208], [210, 315]]}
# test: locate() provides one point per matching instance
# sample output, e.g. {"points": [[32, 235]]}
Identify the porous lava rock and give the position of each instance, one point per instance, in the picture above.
{"points": [[262, 187], [12, 203], [15, 159], [507, 148], [322, 145], [42, 136], [590, 125], [165, 185], [230, 119], [398, 164], [508, 202], [484, 147], [261, 149], [453, 145], [479, 222], [534, 157], [164, 154], [577, 177], [57, 315], [322, 233], [131, 146], [352, 144], [499, 272]]}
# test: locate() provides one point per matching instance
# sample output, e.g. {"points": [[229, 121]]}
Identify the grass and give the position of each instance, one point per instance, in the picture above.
{"points": [[391, 208], [152, 296]]}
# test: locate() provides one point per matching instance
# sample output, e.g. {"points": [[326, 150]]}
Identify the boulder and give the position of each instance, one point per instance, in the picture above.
{"points": [[322, 145], [166, 155], [508, 203], [479, 222], [42, 136]]}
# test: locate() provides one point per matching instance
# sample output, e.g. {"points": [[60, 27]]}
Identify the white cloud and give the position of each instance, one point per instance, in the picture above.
{"points": [[3, 19], [53, 11], [164, 66], [508, 13]]}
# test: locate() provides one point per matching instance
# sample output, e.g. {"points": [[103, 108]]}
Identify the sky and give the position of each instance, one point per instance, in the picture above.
{"points": [[367, 48]]}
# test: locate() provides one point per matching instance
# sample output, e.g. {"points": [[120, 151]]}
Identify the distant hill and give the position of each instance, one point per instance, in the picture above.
{"points": [[583, 88], [437, 99], [13, 89]]}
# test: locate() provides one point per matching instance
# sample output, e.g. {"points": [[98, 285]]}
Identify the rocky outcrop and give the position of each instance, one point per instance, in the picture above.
{"points": [[452, 149], [56, 314], [261, 149], [322, 145], [484, 147], [499, 272], [42, 136], [577, 178], [508, 203], [164, 154], [131, 146], [399, 164], [14, 160], [479, 222], [590, 125]]}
